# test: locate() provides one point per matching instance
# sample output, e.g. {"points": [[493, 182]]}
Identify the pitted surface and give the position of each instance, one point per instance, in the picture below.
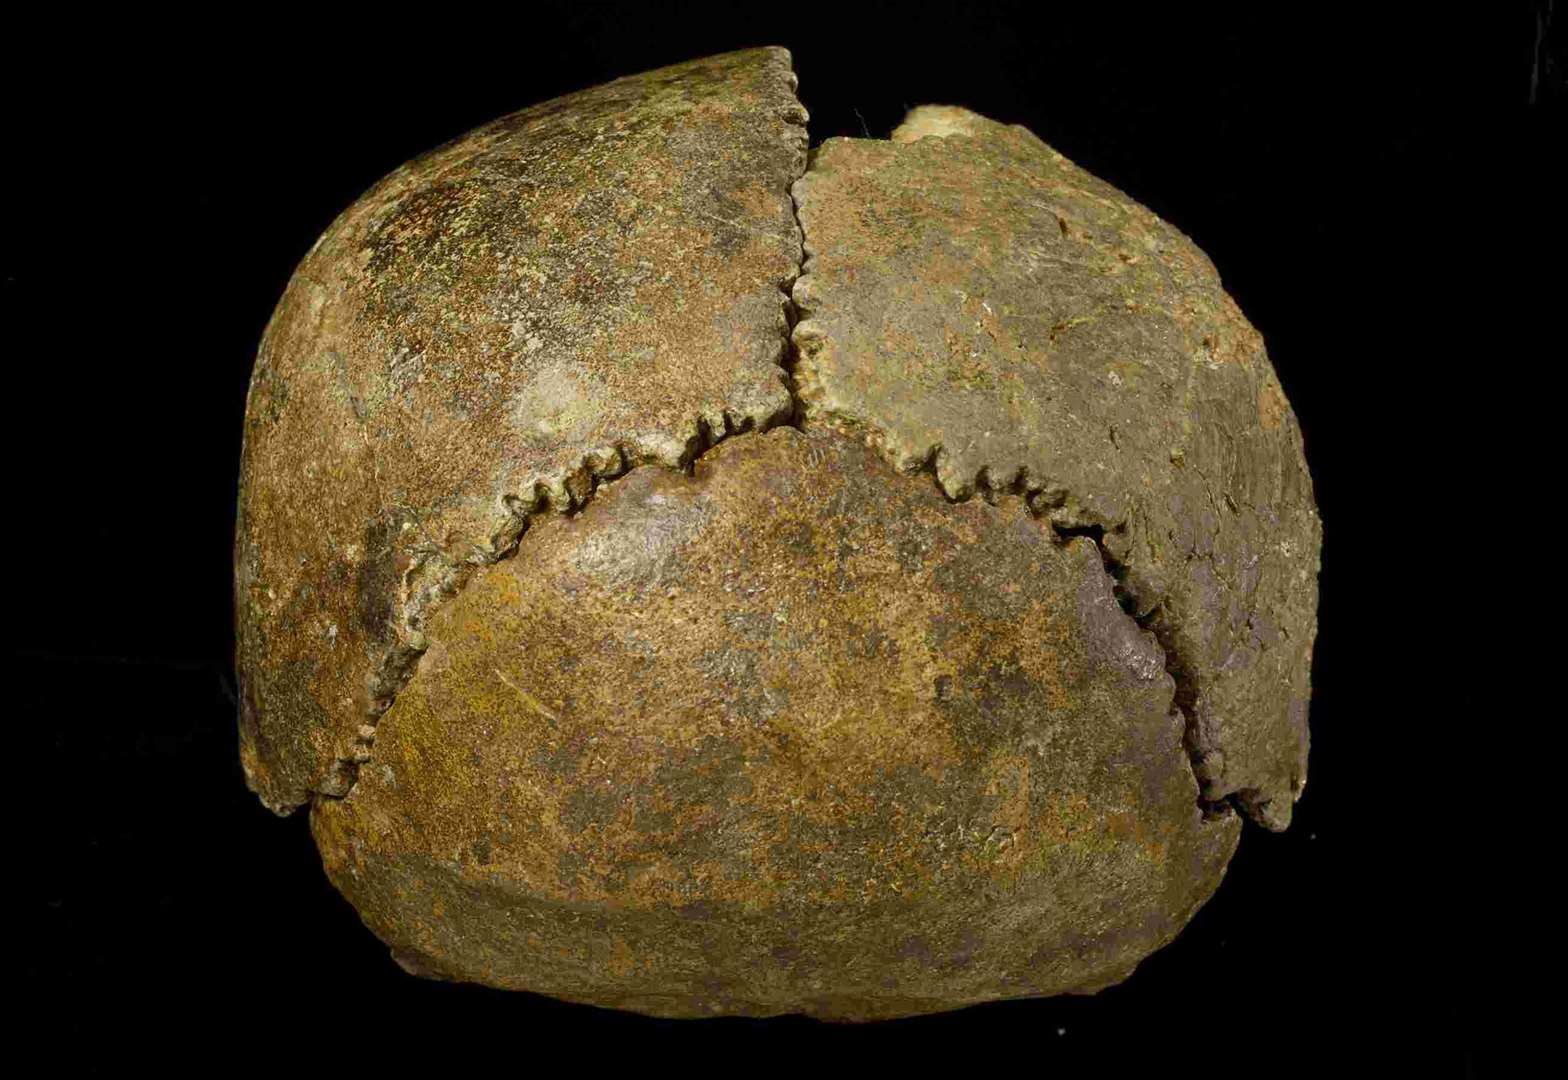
{"points": [[975, 304], [770, 726], [793, 734], [573, 289]]}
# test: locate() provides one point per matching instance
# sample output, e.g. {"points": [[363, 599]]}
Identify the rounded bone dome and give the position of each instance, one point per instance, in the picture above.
{"points": [[688, 574]]}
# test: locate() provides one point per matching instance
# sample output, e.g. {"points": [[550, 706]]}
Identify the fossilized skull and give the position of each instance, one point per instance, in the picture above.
{"points": [[689, 574]]}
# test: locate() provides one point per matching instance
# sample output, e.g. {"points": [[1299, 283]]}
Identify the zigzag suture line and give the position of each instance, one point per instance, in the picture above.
{"points": [[443, 577]]}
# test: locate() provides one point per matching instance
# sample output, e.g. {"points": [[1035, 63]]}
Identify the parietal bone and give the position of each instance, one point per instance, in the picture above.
{"points": [[686, 573]]}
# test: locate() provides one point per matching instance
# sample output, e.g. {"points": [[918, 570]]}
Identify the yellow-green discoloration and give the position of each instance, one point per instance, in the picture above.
{"points": [[790, 731], [793, 734], [572, 289], [974, 300]]}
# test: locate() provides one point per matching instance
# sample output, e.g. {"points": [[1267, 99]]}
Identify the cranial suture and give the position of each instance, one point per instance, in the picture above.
{"points": [[687, 573]]}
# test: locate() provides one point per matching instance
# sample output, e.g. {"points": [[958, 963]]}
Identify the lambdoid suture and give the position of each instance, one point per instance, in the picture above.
{"points": [[690, 573]]}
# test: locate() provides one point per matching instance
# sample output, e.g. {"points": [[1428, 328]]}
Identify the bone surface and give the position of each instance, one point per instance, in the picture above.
{"points": [[684, 574]]}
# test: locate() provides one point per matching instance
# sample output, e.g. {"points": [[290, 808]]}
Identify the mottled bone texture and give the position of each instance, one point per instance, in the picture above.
{"points": [[586, 705], [584, 285], [975, 303]]}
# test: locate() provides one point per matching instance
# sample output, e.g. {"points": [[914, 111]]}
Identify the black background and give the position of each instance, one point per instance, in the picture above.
{"points": [[1368, 187]]}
